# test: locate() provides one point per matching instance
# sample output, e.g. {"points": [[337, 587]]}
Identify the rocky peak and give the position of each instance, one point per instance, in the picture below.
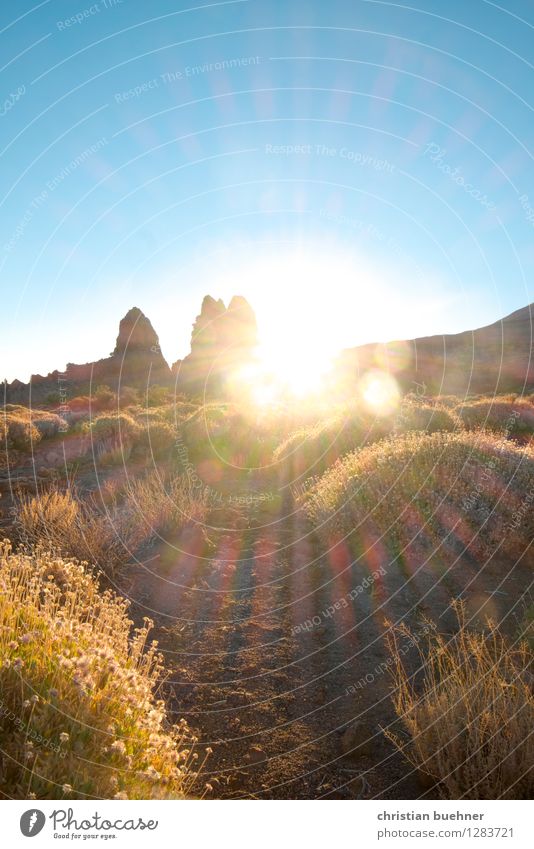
{"points": [[222, 339], [205, 328], [240, 326], [135, 334]]}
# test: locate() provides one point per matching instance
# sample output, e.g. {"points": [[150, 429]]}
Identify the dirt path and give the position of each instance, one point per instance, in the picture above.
{"points": [[269, 646]]}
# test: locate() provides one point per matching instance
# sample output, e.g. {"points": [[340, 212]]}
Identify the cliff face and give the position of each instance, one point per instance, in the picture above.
{"points": [[136, 361], [494, 359], [222, 340]]}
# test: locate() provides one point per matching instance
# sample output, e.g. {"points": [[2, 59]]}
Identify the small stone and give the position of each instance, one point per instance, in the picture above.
{"points": [[255, 755], [357, 740]]}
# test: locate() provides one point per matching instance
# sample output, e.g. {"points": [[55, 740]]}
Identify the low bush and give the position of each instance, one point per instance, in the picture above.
{"points": [[24, 427], [156, 439], [429, 485], [121, 427], [79, 715], [104, 396], [49, 425], [430, 418], [513, 419], [311, 450], [224, 437], [156, 395], [20, 433], [129, 396]]}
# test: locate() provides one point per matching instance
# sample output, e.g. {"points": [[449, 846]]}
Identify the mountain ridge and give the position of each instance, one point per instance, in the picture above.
{"points": [[496, 357]]}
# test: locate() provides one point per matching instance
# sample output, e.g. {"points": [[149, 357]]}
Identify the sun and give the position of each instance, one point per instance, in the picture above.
{"points": [[293, 366], [312, 300], [299, 335]]}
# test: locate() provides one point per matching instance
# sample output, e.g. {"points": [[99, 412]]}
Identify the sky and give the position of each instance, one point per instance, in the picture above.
{"points": [[359, 170]]}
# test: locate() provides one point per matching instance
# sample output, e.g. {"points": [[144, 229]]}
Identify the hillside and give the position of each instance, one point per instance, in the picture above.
{"points": [[490, 360]]}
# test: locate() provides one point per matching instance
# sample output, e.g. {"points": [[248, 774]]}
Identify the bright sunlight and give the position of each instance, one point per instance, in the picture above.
{"points": [[311, 302]]}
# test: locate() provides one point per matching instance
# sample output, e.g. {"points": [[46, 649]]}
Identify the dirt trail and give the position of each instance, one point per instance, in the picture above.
{"points": [[276, 652], [268, 645]]}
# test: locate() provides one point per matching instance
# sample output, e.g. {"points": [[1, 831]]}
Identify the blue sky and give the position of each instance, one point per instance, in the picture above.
{"points": [[359, 170]]}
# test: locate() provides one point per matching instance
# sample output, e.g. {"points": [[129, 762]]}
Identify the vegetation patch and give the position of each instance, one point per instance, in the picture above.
{"points": [[469, 484], [469, 724], [80, 717]]}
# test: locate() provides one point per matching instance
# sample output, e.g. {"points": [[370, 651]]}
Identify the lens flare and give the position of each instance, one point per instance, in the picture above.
{"points": [[379, 392]]}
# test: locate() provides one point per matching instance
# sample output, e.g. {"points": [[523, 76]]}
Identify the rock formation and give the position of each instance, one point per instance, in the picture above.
{"points": [[222, 341], [490, 360], [136, 361], [493, 359]]}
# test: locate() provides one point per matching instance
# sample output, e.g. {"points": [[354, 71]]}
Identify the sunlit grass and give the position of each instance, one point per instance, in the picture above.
{"points": [[79, 713], [469, 724]]}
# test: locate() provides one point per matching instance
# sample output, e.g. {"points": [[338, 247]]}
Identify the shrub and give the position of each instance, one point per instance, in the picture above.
{"points": [[129, 396], [80, 717], [470, 725], [313, 449], [429, 485], [223, 437], [74, 528], [25, 427], [156, 439], [178, 411], [104, 395], [21, 433], [52, 399], [80, 404], [427, 417], [121, 427], [49, 425], [156, 395], [513, 419]]}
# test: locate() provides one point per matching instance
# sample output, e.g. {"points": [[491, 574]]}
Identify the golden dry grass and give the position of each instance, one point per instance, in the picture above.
{"points": [[164, 502], [79, 712], [73, 527], [108, 536], [470, 723]]}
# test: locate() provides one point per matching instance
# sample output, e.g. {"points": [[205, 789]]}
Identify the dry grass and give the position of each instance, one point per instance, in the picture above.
{"points": [[79, 714], [108, 537], [74, 527], [164, 502], [470, 725], [471, 484]]}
